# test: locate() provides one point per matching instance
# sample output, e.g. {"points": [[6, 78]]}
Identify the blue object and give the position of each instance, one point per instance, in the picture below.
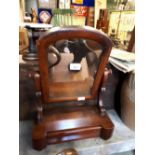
{"points": [[88, 2]]}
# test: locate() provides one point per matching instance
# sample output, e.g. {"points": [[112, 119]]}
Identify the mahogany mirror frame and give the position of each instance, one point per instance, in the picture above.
{"points": [[70, 32]]}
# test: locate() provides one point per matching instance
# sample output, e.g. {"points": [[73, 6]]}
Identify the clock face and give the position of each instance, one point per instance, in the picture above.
{"points": [[45, 16]]}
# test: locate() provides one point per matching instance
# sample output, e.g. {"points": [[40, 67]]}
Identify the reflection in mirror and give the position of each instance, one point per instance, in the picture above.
{"points": [[73, 61]]}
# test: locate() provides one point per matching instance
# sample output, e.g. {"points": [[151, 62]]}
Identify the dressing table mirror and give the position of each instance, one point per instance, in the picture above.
{"points": [[72, 71]]}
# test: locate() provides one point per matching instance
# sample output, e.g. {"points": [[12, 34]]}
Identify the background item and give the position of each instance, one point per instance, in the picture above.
{"points": [[102, 22], [77, 2], [53, 4], [122, 55], [99, 4], [116, 41], [90, 17], [21, 10], [123, 22], [128, 101], [89, 3], [79, 20], [122, 60], [32, 53], [35, 30], [44, 3], [27, 17], [64, 4], [112, 4], [80, 10], [37, 26], [34, 16], [44, 15], [90, 14], [23, 40], [131, 46], [123, 66], [62, 17], [31, 4]]}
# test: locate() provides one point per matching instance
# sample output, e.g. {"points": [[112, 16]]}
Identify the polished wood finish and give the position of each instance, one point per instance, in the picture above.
{"points": [[69, 151], [56, 34], [67, 124], [58, 85]]}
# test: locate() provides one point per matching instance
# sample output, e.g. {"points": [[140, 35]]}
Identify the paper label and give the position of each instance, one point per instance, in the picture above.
{"points": [[75, 66], [81, 98]]}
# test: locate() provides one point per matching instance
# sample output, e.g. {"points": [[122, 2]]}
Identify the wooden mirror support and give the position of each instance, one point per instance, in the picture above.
{"points": [[68, 104]]}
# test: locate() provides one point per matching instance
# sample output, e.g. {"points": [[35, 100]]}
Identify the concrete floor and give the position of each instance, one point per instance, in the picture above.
{"points": [[125, 153]]}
